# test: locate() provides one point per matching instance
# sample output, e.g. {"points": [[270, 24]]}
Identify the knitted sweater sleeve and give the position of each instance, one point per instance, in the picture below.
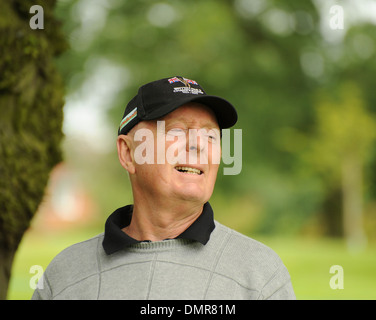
{"points": [[279, 286]]}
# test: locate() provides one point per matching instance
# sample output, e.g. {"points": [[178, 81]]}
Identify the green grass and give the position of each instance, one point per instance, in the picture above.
{"points": [[307, 260]]}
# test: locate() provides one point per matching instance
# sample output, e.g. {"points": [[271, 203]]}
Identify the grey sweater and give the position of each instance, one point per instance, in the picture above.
{"points": [[229, 266]]}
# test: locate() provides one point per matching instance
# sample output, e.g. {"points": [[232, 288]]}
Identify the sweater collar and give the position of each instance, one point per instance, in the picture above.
{"points": [[115, 239]]}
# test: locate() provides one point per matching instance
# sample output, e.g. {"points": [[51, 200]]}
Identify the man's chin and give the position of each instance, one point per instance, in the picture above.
{"points": [[193, 196]]}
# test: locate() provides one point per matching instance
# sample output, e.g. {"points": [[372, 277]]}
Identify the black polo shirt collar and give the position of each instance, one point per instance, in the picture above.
{"points": [[115, 239]]}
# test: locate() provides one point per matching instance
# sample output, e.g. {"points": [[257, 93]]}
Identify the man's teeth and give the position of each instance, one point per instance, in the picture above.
{"points": [[188, 170]]}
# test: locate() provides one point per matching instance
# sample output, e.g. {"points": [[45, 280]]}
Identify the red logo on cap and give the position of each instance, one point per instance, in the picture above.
{"points": [[185, 81]]}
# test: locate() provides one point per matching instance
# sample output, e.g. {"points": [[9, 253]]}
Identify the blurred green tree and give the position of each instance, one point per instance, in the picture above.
{"points": [[340, 149], [269, 57], [31, 101]]}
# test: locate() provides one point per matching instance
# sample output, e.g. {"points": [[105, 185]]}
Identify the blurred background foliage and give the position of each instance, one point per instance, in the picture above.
{"points": [[300, 73]]}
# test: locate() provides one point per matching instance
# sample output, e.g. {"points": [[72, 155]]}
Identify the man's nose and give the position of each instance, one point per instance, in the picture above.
{"points": [[194, 142]]}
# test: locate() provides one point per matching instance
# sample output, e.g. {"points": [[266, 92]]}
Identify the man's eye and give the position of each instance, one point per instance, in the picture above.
{"points": [[212, 138]]}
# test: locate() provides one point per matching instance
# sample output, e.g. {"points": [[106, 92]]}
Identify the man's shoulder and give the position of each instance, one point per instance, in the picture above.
{"points": [[243, 252], [75, 265], [244, 243], [78, 252], [252, 264], [76, 261]]}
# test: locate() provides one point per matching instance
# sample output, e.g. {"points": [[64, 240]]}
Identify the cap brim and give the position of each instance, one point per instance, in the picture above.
{"points": [[223, 110]]}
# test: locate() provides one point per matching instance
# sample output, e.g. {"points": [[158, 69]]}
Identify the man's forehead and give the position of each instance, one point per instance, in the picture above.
{"points": [[193, 113], [191, 122]]}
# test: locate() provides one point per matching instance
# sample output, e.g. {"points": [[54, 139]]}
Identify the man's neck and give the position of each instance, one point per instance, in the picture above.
{"points": [[150, 222]]}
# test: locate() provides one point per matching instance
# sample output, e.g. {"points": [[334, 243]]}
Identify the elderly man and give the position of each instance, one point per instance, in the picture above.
{"points": [[167, 245]]}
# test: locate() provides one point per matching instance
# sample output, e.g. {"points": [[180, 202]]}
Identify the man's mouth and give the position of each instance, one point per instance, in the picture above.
{"points": [[188, 170]]}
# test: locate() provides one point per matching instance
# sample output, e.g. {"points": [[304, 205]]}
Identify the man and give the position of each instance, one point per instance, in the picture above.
{"points": [[167, 245]]}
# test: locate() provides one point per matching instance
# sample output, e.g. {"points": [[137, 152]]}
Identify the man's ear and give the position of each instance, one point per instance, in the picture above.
{"points": [[125, 153]]}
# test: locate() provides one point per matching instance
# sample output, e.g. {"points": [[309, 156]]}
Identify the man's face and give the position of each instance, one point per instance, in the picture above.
{"points": [[191, 152]]}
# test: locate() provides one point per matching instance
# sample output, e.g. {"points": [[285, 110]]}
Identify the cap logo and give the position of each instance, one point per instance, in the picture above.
{"points": [[188, 90], [187, 83]]}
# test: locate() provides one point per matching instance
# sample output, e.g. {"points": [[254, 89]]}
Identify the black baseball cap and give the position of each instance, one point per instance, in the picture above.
{"points": [[158, 98]]}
